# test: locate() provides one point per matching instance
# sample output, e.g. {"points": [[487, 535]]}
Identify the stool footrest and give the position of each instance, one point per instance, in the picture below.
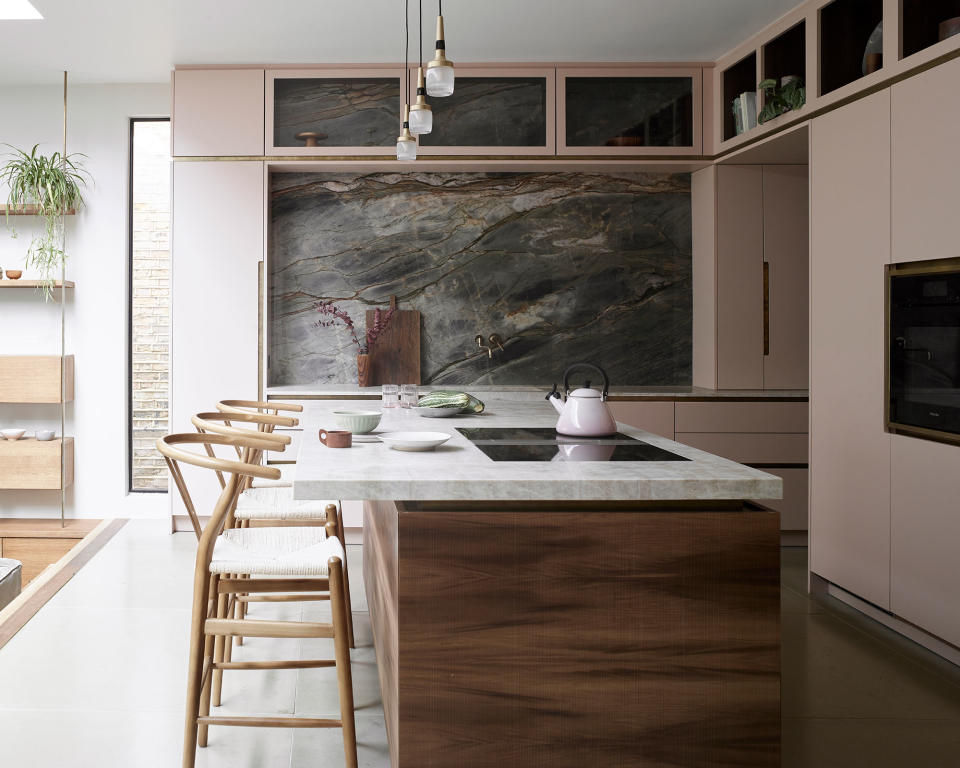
{"points": [[274, 585], [259, 628], [296, 598], [292, 664], [272, 722]]}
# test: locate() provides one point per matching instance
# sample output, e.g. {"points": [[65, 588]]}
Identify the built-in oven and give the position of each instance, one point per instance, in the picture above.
{"points": [[923, 349]]}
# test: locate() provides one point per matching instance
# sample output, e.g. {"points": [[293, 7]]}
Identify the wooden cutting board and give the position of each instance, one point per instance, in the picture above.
{"points": [[395, 358]]}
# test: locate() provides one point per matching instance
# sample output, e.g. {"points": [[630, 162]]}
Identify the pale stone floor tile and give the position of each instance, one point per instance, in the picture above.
{"points": [[97, 677]]}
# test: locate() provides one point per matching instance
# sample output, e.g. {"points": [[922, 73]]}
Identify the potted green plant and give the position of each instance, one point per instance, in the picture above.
{"points": [[778, 98], [54, 185]]}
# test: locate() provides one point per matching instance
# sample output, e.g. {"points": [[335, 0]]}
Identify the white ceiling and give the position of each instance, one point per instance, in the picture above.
{"points": [[141, 40]]}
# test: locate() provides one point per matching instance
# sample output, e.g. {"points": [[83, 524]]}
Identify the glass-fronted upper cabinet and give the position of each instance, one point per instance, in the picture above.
{"points": [[494, 111], [332, 112], [632, 111]]}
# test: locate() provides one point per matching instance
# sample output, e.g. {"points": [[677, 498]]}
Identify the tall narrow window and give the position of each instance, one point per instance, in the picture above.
{"points": [[149, 300]]}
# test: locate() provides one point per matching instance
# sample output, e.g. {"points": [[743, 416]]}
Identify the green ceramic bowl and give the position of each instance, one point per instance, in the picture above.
{"points": [[358, 422]]}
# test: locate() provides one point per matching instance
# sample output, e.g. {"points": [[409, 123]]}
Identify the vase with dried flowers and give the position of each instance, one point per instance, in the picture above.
{"points": [[333, 315]]}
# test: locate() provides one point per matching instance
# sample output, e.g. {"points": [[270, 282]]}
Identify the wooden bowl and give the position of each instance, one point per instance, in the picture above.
{"points": [[949, 28], [14, 274]]}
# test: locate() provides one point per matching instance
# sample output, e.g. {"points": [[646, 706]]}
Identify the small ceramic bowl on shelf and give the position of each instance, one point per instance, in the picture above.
{"points": [[14, 274], [12, 434], [45, 435]]}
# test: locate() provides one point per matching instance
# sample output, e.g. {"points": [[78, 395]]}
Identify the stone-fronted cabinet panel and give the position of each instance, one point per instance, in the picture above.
{"points": [[494, 111], [217, 112], [348, 111], [629, 110]]}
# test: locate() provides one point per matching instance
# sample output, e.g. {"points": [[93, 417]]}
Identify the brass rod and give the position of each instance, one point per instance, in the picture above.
{"points": [[766, 308], [63, 331]]}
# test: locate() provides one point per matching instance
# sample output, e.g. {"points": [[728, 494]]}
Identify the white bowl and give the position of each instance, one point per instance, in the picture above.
{"points": [[437, 413], [414, 441], [44, 435], [358, 422], [12, 434]]}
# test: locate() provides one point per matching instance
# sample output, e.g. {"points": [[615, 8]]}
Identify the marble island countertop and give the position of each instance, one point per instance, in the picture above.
{"points": [[534, 392], [458, 470]]}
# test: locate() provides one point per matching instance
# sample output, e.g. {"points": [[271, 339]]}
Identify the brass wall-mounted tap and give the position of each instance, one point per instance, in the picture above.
{"points": [[483, 347], [495, 341]]}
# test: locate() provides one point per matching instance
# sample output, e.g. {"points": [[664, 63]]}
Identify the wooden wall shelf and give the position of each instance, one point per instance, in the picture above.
{"points": [[27, 210], [32, 284], [33, 465], [35, 378]]}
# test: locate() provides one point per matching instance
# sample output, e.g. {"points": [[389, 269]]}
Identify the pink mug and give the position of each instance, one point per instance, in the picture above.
{"points": [[336, 438]]}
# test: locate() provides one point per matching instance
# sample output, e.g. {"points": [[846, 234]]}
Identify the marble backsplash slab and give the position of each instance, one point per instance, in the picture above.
{"points": [[566, 267]]}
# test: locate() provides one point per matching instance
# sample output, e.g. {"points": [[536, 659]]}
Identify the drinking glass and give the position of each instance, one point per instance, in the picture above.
{"points": [[408, 396], [390, 395]]}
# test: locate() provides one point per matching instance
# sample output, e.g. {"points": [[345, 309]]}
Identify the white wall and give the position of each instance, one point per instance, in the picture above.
{"points": [[98, 126]]}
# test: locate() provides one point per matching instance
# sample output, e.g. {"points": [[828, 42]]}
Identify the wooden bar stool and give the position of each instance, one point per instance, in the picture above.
{"points": [[270, 506], [272, 561]]}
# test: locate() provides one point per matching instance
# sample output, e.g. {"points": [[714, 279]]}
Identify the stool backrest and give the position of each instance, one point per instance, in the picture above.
{"points": [[261, 425], [257, 406], [237, 471]]}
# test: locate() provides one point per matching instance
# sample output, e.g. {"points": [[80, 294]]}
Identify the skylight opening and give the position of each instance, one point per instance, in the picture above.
{"points": [[18, 10]]}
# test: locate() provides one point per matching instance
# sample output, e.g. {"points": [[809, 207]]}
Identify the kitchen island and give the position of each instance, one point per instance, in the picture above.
{"points": [[530, 609]]}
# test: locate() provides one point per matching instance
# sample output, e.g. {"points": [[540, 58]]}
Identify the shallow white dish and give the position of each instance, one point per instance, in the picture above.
{"points": [[414, 441], [367, 438], [12, 434], [358, 422], [437, 413]]}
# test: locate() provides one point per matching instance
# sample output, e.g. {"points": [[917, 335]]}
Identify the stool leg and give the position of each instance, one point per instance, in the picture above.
{"points": [[337, 515], [342, 656], [208, 651], [198, 643], [220, 651]]}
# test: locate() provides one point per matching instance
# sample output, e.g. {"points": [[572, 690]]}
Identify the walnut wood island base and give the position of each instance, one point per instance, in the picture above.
{"points": [[580, 634]]}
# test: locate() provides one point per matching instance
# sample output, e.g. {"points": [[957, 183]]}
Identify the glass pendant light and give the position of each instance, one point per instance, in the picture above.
{"points": [[406, 144], [440, 74], [421, 116]]}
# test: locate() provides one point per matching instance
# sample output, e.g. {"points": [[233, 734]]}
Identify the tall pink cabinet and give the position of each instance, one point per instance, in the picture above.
{"points": [[925, 476], [885, 515], [849, 449]]}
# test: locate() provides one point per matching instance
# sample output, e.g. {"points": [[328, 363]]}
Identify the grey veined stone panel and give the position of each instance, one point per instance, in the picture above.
{"points": [[491, 112], [352, 112], [566, 267]]}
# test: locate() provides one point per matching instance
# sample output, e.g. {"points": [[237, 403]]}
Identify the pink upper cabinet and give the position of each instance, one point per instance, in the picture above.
{"points": [[217, 112]]}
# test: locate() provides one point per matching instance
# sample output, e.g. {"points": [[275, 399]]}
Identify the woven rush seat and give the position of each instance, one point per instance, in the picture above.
{"points": [[279, 504], [275, 552]]}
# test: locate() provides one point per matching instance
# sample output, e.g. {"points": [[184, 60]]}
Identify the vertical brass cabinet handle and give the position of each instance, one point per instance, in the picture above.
{"points": [[766, 308]]}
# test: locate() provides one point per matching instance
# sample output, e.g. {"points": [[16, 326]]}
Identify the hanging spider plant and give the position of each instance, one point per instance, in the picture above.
{"points": [[54, 185]]}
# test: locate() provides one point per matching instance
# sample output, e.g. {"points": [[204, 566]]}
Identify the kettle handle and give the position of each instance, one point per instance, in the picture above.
{"points": [[591, 366]]}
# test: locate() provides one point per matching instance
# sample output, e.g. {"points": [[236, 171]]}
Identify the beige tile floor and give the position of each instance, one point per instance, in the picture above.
{"points": [[96, 679]]}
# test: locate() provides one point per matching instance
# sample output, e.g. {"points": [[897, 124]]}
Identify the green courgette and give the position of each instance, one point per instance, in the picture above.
{"points": [[448, 399]]}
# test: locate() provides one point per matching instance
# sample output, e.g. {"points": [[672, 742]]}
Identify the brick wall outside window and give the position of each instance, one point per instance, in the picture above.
{"points": [[150, 302]]}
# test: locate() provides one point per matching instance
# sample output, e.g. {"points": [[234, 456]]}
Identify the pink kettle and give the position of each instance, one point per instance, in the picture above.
{"points": [[583, 412]]}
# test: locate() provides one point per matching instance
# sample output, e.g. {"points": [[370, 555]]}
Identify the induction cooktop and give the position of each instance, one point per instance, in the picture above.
{"points": [[544, 444]]}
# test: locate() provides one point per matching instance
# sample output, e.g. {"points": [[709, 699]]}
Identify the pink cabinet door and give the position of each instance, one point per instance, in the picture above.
{"points": [[217, 247], [786, 251], [217, 112], [739, 277], [652, 416], [850, 451], [925, 530], [926, 165]]}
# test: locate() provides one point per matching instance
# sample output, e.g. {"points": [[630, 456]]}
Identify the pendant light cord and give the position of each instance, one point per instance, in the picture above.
{"points": [[420, 20], [406, 42]]}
